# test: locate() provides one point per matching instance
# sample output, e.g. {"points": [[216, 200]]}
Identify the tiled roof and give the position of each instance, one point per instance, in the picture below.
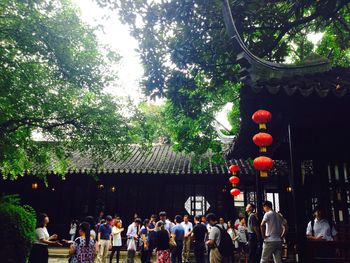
{"points": [[160, 160], [333, 82]]}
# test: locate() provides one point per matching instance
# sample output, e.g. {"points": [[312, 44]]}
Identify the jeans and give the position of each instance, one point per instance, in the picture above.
{"points": [[176, 254], [273, 248], [253, 256]]}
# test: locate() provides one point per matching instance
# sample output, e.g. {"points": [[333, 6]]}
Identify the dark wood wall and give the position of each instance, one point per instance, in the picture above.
{"points": [[79, 195]]}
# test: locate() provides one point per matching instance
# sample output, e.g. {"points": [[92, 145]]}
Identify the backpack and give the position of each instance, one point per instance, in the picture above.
{"points": [[226, 247]]}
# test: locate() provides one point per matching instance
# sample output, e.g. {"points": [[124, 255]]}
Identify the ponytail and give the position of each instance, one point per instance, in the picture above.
{"points": [[85, 227]]}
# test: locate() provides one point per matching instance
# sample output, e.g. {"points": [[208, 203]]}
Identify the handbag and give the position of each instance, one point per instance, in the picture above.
{"points": [[172, 243], [132, 245]]}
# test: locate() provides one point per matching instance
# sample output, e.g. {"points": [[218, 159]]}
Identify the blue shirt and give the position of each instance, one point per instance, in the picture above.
{"points": [[179, 232], [105, 231]]}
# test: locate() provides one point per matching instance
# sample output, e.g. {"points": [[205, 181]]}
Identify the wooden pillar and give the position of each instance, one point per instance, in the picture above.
{"points": [[298, 196]]}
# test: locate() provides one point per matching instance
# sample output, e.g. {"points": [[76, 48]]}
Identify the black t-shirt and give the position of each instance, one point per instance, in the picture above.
{"points": [[162, 240], [199, 232]]}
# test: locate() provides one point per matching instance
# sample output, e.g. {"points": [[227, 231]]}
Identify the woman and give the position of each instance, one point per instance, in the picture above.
{"points": [[145, 247], [39, 252], [83, 249], [117, 229], [234, 236], [162, 244], [73, 229]]}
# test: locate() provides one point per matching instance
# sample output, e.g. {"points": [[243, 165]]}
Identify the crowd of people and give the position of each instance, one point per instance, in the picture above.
{"points": [[213, 240]]}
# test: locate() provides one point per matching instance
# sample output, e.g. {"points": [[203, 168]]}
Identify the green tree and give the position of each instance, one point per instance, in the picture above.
{"points": [[18, 224], [189, 59], [52, 76]]}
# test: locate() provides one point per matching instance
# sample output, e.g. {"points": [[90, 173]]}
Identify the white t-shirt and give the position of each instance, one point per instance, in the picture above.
{"points": [[274, 223], [321, 228], [41, 233], [188, 227], [117, 238]]}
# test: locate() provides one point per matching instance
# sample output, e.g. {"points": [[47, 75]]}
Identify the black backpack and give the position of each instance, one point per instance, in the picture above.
{"points": [[226, 247]]}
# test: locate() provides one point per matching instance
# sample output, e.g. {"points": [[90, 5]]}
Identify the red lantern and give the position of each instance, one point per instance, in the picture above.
{"points": [[234, 180], [262, 140], [234, 168], [263, 164], [235, 191], [261, 117]]}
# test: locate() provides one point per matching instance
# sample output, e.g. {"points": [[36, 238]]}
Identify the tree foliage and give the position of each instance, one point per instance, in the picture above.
{"points": [[189, 59], [18, 224], [52, 75]]}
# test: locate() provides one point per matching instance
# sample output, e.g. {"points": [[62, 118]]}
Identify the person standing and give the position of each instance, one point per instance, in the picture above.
{"points": [[222, 223], [253, 234], [162, 244], [234, 237], [117, 229], [73, 229], [167, 223], [321, 229], [104, 239], [273, 229], [199, 234], [84, 248], [39, 252], [178, 233], [145, 247], [242, 240], [188, 227], [152, 233], [214, 240], [133, 237]]}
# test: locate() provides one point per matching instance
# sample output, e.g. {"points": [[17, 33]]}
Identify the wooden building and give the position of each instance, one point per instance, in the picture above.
{"points": [[143, 183], [310, 106]]}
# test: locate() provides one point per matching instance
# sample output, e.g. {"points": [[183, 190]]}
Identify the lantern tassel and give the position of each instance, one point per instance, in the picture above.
{"points": [[263, 174]]}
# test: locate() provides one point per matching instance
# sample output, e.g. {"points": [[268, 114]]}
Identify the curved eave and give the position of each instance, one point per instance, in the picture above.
{"points": [[254, 69]]}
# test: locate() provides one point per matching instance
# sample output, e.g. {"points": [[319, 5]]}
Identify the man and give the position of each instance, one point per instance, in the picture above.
{"points": [[187, 225], [132, 235], [100, 216], [163, 218], [253, 234], [320, 229], [273, 230], [152, 232], [104, 239], [178, 233], [214, 240], [199, 234]]}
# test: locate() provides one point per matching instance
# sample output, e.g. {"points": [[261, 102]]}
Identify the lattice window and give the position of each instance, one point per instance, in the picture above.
{"points": [[197, 205]]}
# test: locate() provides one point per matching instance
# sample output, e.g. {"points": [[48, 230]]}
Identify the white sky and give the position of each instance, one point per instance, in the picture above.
{"points": [[116, 35]]}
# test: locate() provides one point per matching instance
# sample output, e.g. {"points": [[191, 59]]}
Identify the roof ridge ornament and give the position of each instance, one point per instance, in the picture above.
{"points": [[254, 68]]}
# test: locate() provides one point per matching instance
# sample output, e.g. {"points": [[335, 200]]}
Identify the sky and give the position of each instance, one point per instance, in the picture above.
{"points": [[117, 36]]}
